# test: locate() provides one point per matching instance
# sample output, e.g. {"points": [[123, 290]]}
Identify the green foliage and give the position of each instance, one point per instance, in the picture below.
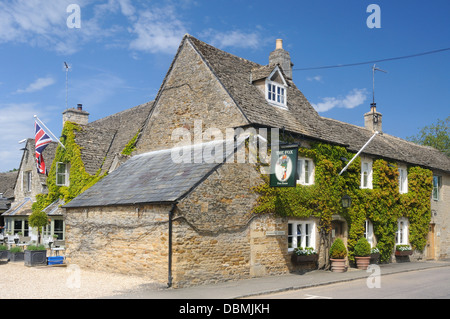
{"points": [[362, 248], [131, 146], [436, 135], [338, 250], [15, 249], [3, 247], [382, 205], [36, 247], [38, 219], [80, 180]]}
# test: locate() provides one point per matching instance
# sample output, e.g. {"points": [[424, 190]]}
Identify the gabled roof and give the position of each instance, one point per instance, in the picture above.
{"points": [[153, 177], [7, 181], [237, 74], [102, 140]]}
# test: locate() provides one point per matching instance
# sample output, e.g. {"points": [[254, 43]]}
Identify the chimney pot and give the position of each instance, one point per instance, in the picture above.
{"points": [[279, 44], [80, 107]]}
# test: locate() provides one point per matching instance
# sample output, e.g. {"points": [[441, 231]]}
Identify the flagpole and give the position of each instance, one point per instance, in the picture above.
{"points": [[49, 132], [343, 170]]}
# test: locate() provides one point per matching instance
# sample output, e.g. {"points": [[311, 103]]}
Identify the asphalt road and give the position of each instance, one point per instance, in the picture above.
{"points": [[422, 284]]}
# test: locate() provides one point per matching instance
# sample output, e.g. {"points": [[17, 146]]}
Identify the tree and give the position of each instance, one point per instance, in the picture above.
{"points": [[38, 219], [436, 135]]}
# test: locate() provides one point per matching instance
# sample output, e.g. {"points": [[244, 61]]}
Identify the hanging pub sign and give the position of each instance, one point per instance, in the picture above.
{"points": [[284, 167]]}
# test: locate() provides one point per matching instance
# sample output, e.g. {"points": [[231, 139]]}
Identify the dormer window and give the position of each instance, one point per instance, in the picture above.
{"points": [[276, 88]]}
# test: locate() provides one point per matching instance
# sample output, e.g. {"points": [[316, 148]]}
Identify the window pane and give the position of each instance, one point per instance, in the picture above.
{"points": [[299, 169], [306, 172]]}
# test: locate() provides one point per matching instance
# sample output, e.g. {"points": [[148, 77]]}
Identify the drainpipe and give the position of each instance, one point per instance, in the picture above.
{"points": [[172, 210]]}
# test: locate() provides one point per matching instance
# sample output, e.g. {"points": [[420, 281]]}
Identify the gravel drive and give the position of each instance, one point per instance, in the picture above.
{"points": [[50, 282]]}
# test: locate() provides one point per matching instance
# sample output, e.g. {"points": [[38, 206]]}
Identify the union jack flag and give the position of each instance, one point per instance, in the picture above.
{"points": [[41, 140]]}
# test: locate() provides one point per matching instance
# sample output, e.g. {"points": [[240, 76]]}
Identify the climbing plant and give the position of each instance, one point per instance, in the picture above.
{"points": [[80, 180], [382, 205]]}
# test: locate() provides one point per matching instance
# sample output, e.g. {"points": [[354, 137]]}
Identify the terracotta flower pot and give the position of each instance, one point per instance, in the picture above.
{"points": [[338, 265], [362, 262]]}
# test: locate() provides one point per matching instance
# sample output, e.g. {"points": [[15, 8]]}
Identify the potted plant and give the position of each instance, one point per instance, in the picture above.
{"points": [[3, 252], [301, 255], [338, 252], [362, 253], [375, 255], [35, 255], [403, 250], [16, 254]]}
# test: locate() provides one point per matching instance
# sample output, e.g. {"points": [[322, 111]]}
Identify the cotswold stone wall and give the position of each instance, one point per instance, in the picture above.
{"points": [[440, 216], [216, 237], [129, 240]]}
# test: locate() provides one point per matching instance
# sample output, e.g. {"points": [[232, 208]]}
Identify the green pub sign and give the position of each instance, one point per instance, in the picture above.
{"points": [[284, 167]]}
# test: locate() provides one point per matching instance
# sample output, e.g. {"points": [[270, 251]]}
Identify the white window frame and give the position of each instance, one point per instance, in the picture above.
{"points": [[366, 171], [305, 238], [65, 174], [305, 165], [402, 180], [437, 184], [402, 233], [277, 96], [368, 232]]}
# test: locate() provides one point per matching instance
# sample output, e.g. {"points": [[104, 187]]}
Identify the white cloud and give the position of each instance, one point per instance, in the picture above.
{"points": [[353, 99], [16, 123], [316, 78], [157, 30], [37, 85], [234, 38]]}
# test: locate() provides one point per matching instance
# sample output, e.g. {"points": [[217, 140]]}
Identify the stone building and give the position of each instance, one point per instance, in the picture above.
{"points": [[188, 219], [27, 184]]}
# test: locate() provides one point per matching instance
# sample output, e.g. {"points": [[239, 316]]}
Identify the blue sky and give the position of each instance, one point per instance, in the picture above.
{"points": [[123, 49]]}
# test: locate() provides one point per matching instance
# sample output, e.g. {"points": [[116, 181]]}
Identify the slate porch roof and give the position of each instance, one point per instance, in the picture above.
{"points": [[152, 177], [22, 208], [235, 74]]}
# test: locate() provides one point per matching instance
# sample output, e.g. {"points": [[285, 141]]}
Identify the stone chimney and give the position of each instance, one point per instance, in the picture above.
{"points": [[372, 119], [281, 57], [76, 115]]}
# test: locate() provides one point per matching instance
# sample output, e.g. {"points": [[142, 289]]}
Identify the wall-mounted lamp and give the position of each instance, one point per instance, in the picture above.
{"points": [[346, 201]]}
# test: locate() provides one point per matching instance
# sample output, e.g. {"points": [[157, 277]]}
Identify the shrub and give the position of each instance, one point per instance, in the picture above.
{"points": [[36, 247], [338, 250], [3, 247], [362, 248], [16, 249]]}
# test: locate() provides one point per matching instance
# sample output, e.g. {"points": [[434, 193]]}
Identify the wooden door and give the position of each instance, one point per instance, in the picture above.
{"points": [[430, 242]]}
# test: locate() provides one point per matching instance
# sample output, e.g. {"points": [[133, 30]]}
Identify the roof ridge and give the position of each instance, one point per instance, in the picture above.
{"points": [[222, 51]]}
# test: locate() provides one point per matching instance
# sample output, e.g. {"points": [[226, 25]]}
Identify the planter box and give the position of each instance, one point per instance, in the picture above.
{"points": [[403, 252], [35, 257], [299, 259], [4, 254], [375, 258], [15, 257]]}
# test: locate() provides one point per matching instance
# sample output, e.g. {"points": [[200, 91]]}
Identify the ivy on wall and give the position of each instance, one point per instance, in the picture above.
{"points": [[382, 205], [80, 180]]}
